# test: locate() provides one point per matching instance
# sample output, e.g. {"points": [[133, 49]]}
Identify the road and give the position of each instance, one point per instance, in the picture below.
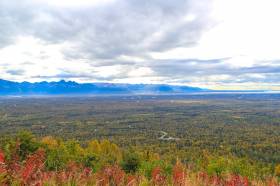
{"points": [[165, 137]]}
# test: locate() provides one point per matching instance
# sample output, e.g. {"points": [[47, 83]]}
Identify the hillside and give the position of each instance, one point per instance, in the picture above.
{"points": [[26, 161]]}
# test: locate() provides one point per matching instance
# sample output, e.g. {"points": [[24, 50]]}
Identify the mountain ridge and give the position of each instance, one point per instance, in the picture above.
{"points": [[63, 87]]}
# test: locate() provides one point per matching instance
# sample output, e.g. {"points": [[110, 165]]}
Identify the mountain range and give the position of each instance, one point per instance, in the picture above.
{"points": [[73, 88]]}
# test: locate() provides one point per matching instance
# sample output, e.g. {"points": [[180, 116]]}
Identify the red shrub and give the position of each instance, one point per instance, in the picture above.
{"points": [[179, 176], [272, 182], [216, 180], [236, 180], [48, 175], [203, 177], [111, 175], [32, 172], [2, 157], [61, 177], [157, 177], [131, 180], [13, 166], [2, 162], [72, 170], [118, 175], [86, 172]]}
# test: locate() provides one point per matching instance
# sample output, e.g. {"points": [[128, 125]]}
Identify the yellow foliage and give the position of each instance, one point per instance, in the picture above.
{"points": [[94, 147], [50, 142], [150, 156], [79, 149], [144, 182], [105, 150], [111, 150], [277, 170], [74, 148]]}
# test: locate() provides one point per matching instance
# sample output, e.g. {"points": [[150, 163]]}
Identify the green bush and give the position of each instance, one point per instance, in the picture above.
{"points": [[131, 162], [217, 166], [147, 167], [27, 143]]}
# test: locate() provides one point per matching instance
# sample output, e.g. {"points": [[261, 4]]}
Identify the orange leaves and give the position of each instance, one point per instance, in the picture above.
{"points": [[2, 163], [29, 173], [158, 177], [74, 173], [179, 175], [272, 182], [114, 175], [2, 157], [237, 180], [33, 168], [131, 180], [111, 175], [32, 171], [230, 180]]}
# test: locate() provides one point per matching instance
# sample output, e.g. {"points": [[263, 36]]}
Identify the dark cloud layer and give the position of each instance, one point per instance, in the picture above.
{"points": [[191, 69], [129, 27]]}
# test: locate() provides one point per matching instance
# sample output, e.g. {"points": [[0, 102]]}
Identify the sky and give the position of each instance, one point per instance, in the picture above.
{"points": [[215, 44]]}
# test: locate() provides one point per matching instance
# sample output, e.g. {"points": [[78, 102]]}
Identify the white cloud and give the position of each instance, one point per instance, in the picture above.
{"points": [[140, 72], [244, 28], [75, 3], [217, 44]]}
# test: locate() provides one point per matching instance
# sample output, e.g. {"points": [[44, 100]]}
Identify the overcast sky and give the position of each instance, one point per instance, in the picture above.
{"points": [[217, 44]]}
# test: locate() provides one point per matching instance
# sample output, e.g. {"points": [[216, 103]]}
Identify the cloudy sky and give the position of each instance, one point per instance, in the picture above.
{"points": [[217, 44]]}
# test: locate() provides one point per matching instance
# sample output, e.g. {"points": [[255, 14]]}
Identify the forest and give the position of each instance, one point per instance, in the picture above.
{"points": [[219, 139]]}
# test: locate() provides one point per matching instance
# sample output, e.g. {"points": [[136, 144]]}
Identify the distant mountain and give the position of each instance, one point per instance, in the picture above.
{"points": [[71, 88]]}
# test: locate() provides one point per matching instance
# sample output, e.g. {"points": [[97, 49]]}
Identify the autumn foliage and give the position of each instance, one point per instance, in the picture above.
{"points": [[102, 164]]}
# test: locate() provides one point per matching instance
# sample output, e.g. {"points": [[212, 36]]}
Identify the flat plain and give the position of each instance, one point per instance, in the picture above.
{"points": [[243, 125]]}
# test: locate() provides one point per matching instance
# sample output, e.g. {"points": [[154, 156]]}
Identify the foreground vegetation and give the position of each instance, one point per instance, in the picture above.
{"points": [[26, 160]]}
